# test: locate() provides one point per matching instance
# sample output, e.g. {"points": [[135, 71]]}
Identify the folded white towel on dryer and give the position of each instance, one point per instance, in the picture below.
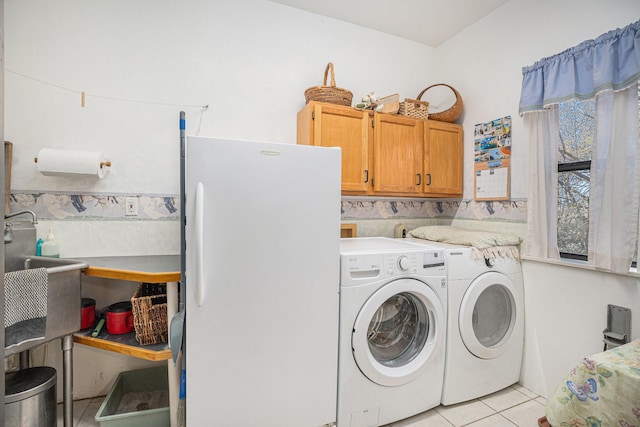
{"points": [[486, 244]]}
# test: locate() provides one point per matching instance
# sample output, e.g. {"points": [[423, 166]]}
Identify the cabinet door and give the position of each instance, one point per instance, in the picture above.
{"points": [[344, 127], [397, 154], [443, 154]]}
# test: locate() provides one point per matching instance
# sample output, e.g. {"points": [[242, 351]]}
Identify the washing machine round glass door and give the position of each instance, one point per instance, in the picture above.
{"points": [[397, 331], [488, 315]]}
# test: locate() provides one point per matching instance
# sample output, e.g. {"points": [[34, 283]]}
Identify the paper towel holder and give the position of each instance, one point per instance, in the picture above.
{"points": [[57, 162]]}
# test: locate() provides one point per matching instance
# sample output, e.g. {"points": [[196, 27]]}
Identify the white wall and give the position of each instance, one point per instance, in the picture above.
{"points": [[250, 61], [565, 307], [565, 315]]}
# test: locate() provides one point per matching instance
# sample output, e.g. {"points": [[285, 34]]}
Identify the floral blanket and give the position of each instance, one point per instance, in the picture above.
{"points": [[602, 390]]}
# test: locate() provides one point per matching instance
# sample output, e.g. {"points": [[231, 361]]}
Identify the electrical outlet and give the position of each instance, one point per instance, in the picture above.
{"points": [[131, 206]]}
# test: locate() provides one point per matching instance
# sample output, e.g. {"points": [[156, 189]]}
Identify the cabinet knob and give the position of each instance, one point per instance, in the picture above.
{"points": [[429, 175], [419, 179], [366, 175]]}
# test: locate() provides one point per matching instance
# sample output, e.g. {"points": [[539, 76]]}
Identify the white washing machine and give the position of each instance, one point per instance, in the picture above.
{"points": [[485, 328], [393, 302]]}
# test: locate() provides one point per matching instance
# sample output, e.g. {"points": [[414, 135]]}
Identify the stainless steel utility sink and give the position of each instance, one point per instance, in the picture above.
{"points": [[63, 297]]}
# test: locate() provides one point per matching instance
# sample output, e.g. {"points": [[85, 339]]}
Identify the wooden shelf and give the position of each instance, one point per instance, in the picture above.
{"points": [[149, 269], [123, 344], [146, 269]]}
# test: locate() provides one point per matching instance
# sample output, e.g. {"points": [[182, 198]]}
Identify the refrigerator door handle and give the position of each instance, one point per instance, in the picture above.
{"points": [[199, 244]]}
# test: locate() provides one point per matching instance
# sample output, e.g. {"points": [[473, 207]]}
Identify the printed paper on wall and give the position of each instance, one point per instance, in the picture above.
{"points": [[492, 159]]}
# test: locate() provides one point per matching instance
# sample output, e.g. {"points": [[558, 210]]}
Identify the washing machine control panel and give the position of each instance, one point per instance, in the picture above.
{"points": [[365, 266], [431, 261]]}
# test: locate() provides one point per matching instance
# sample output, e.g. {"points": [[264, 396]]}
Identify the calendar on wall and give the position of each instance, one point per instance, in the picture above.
{"points": [[492, 159]]}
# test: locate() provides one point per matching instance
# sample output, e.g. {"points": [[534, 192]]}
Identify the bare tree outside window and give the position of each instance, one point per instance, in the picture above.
{"points": [[577, 130]]}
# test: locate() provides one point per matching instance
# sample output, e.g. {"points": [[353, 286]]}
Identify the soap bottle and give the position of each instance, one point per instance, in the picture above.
{"points": [[39, 247], [50, 247]]}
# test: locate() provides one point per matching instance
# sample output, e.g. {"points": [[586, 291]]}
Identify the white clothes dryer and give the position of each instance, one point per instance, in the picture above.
{"points": [[393, 299], [485, 327]]}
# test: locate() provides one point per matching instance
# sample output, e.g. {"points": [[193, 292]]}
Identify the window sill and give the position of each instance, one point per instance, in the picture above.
{"points": [[574, 263]]}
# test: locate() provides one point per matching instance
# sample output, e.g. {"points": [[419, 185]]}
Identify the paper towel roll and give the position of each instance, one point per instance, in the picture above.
{"points": [[53, 162]]}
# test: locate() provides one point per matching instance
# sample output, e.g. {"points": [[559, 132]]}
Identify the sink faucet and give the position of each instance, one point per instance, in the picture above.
{"points": [[8, 232], [32, 213]]}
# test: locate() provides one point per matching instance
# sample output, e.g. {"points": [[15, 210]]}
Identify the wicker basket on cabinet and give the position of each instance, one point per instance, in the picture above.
{"points": [[414, 108], [451, 114], [331, 94]]}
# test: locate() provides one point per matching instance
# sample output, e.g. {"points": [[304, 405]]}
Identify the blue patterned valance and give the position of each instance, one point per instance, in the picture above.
{"points": [[610, 62]]}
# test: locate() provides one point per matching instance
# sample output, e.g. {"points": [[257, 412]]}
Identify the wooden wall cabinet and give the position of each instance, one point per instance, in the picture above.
{"points": [[387, 154], [397, 155], [443, 154], [329, 125]]}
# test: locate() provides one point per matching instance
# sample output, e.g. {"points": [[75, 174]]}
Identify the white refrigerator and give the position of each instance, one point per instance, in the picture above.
{"points": [[262, 280]]}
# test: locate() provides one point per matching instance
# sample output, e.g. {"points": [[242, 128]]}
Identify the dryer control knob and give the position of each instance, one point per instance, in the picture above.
{"points": [[404, 263]]}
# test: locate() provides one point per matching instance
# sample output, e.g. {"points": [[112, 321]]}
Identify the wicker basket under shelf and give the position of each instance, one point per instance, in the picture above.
{"points": [[149, 306]]}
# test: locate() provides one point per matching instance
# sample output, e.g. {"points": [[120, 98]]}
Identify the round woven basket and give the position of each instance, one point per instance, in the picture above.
{"points": [[453, 113], [331, 94]]}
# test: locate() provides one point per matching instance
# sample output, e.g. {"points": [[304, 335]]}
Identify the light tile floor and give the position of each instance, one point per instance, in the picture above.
{"points": [[511, 407], [84, 412], [514, 406]]}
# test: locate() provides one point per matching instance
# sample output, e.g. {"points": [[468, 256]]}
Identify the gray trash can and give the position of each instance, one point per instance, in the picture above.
{"points": [[30, 397]]}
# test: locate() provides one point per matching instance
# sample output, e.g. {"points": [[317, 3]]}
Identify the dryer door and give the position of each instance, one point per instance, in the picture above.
{"points": [[397, 332], [488, 315]]}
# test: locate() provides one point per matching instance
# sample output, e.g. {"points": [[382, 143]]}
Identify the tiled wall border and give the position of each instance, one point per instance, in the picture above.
{"points": [[370, 208], [75, 206]]}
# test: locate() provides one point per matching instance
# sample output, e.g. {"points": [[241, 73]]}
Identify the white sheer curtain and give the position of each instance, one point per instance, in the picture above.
{"points": [[542, 207], [614, 195]]}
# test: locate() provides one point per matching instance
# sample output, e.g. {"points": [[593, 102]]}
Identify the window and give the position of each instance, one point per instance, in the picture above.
{"points": [[576, 125], [584, 162]]}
